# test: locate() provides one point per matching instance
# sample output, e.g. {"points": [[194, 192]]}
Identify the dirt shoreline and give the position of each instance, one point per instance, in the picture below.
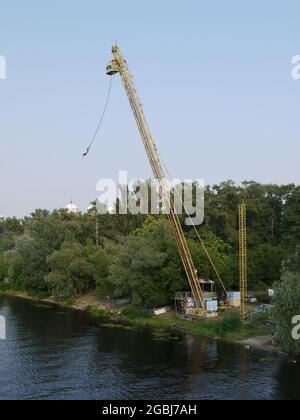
{"points": [[262, 343]]}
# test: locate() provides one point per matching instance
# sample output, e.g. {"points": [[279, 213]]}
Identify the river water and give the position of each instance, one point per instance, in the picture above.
{"points": [[51, 353]]}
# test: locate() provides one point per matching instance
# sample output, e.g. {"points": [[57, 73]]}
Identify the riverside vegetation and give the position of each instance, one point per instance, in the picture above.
{"points": [[55, 254]]}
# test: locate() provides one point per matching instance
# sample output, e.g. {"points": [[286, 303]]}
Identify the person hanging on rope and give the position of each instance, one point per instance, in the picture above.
{"points": [[100, 122]]}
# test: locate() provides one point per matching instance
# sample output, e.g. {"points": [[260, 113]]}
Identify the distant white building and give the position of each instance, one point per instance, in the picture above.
{"points": [[101, 208], [72, 208]]}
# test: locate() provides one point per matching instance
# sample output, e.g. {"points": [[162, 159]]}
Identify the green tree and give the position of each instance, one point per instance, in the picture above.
{"points": [[7, 242], [265, 262], [138, 268], [291, 219], [27, 263], [71, 272], [101, 263], [223, 259], [287, 304], [3, 268]]}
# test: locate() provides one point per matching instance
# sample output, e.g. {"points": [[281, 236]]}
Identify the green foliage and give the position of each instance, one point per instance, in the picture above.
{"points": [[101, 262], [229, 324], [265, 262], [69, 301], [293, 262], [134, 313], [98, 315], [164, 336], [7, 242], [4, 287], [147, 268], [71, 272], [287, 304], [56, 253], [37, 294], [223, 257], [291, 218], [3, 268]]}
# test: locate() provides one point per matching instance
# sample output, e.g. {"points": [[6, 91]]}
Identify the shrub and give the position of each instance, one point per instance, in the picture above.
{"points": [[286, 306], [229, 324], [134, 313]]}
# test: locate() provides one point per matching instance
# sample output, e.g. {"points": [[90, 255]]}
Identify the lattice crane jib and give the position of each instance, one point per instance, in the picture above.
{"points": [[119, 65], [243, 258]]}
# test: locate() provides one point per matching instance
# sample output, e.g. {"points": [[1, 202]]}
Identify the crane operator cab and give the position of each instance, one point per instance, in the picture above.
{"points": [[112, 68]]}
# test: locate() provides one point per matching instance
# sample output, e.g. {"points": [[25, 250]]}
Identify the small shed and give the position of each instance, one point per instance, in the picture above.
{"points": [[207, 287]]}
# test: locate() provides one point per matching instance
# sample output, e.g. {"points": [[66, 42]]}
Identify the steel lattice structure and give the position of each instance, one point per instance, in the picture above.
{"points": [[119, 65], [243, 258]]}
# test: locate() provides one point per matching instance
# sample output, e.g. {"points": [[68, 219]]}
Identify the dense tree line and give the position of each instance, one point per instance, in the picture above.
{"points": [[60, 254]]}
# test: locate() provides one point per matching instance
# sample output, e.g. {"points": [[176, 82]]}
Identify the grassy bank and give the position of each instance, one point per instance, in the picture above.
{"points": [[227, 326], [166, 327]]}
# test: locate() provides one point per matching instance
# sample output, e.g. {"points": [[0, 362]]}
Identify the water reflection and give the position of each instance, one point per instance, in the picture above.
{"points": [[288, 380], [58, 354]]}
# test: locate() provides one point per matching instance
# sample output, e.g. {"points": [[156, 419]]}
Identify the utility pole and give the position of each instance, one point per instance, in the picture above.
{"points": [[97, 224]]}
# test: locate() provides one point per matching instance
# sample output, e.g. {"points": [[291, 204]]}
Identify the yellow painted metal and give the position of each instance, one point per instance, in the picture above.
{"points": [[243, 258], [119, 65]]}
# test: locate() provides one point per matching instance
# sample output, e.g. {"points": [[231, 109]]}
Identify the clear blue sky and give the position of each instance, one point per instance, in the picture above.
{"points": [[214, 76]]}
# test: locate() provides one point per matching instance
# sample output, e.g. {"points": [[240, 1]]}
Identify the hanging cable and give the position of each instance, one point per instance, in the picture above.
{"points": [[100, 121], [196, 231]]}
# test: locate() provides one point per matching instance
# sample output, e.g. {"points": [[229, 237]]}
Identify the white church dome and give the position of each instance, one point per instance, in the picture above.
{"points": [[72, 208]]}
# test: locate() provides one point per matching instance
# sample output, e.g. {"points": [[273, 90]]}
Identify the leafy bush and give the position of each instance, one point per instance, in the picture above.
{"points": [[4, 287], [286, 306], [98, 315], [69, 302], [134, 313], [3, 268], [229, 324], [38, 294]]}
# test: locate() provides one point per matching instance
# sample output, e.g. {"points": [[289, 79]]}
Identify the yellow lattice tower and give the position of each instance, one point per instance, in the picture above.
{"points": [[243, 258]]}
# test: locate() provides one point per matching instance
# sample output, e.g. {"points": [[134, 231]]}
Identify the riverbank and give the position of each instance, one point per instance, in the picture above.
{"points": [[168, 327], [47, 346]]}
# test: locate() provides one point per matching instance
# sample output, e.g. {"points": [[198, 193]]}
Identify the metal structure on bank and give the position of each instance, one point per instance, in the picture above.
{"points": [[194, 303], [243, 258]]}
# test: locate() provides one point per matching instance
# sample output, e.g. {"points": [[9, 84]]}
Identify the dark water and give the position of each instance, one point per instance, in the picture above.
{"points": [[55, 354]]}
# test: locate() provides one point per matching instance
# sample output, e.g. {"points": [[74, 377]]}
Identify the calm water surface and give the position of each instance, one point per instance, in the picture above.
{"points": [[55, 354]]}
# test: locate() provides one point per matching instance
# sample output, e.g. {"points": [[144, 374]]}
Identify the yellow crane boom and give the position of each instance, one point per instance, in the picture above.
{"points": [[119, 65]]}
